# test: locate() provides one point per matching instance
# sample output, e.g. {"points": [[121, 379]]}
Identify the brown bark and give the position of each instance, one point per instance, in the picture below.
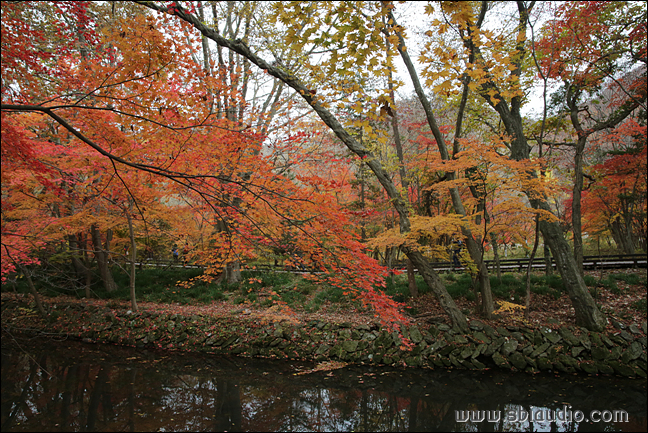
{"points": [[435, 284], [547, 259], [411, 279], [133, 257], [586, 312], [527, 301], [32, 289], [496, 256], [102, 256], [75, 257]]}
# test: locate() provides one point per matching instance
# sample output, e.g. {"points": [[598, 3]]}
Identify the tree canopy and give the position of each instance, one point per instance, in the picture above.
{"points": [[252, 131]]}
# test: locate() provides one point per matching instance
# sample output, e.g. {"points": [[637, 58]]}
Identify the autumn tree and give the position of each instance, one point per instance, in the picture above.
{"points": [[137, 110], [615, 200], [320, 107], [498, 70], [598, 51]]}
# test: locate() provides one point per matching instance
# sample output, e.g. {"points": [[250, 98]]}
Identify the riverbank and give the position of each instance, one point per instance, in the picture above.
{"points": [[274, 333]]}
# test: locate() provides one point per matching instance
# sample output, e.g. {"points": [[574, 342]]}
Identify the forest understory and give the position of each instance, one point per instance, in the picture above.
{"points": [[623, 302]]}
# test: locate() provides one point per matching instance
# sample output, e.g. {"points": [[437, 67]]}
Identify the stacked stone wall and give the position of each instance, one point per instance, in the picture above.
{"points": [[564, 350]]}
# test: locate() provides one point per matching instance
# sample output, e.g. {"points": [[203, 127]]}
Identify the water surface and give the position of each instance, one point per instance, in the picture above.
{"points": [[71, 386]]}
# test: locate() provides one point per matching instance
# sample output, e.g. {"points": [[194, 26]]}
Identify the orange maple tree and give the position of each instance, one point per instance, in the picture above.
{"points": [[130, 133]]}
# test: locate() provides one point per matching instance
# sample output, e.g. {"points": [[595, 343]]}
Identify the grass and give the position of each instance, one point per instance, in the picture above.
{"points": [[640, 305], [510, 286], [398, 287]]}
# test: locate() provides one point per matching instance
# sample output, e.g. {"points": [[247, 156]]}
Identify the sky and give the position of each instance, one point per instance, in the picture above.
{"points": [[411, 16]]}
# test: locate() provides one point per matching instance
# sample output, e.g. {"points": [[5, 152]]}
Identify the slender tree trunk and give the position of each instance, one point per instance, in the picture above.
{"points": [[75, 257], [32, 289], [487, 305], [496, 256], [133, 258], [86, 261], [527, 301], [411, 279], [576, 202], [435, 284], [547, 258], [102, 257]]}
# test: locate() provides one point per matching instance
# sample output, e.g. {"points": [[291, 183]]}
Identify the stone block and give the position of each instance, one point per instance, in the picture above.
{"points": [[539, 350], [600, 353], [603, 367], [350, 345], [622, 369], [517, 359], [550, 335], [633, 352], [577, 351], [415, 335], [509, 346], [544, 363], [481, 337], [570, 338], [500, 361], [588, 367], [585, 341]]}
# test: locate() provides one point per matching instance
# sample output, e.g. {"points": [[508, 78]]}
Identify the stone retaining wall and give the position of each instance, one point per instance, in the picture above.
{"points": [[565, 350]]}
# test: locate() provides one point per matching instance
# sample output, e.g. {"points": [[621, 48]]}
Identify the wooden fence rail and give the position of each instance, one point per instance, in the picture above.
{"points": [[613, 261]]}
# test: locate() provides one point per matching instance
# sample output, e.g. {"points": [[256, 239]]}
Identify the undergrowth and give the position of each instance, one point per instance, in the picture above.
{"points": [[266, 288]]}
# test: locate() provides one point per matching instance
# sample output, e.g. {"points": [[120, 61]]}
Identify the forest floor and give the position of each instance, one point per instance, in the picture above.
{"points": [[621, 306], [624, 304]]}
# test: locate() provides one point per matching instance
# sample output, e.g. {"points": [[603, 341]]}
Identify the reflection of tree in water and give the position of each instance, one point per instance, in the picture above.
{"points": [[227, 410], [106, 388], [17, 389]]}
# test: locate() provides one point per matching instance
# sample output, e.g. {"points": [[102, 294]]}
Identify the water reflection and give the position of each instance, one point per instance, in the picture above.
{"points": [[68, 386]]}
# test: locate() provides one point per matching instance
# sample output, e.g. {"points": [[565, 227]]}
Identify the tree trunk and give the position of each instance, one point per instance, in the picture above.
{"points": [[486, 304], [133, 257], [496, 256], [527, 301], [32, 289], [86, 261], [435, 284], [411, 279], [102, 257], [586, 311], [233, 272], [547, 257], [75, 257], [621, 236], [576, 202]]}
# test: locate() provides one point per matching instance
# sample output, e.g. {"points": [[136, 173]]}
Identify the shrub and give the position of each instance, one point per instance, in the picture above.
{"points": [[461, 287], [628, 278], [590, 281], [503, 288]]}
